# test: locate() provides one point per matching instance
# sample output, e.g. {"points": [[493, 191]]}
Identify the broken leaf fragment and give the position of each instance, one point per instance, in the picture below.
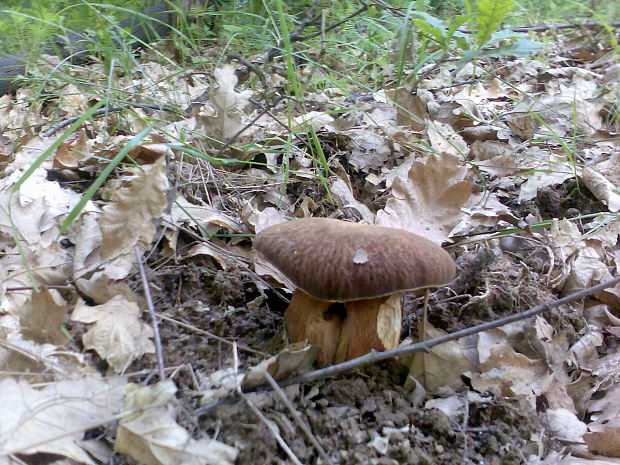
{"points": [[150, 434]]}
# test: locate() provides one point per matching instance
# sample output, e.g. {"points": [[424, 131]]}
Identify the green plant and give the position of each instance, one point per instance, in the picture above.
{"points": [[484, 17]]}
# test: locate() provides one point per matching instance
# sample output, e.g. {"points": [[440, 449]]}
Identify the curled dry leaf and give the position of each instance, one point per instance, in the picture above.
{"points": [[368, 150], [343, 190], [443, 138], [457, 405], [565, 425], [587, 269], [211, 219], [41, 318], [508, 373], [294, 359], [118, 334], [443, 365], [257, 220], [226, 117], [54, 419], [150, 434], [602, 188], [129, 220], [428, 201], [547, 170], [34, 209], [72, 151]]}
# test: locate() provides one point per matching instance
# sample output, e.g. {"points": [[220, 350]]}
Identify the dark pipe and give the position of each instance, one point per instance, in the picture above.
{"points": [[75, 45]]}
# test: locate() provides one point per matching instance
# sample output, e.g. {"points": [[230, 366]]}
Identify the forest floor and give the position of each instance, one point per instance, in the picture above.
{"points": [[516, 173]]}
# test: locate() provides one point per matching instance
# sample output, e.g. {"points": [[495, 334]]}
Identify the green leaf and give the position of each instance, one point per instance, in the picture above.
{"points": [[488, 15]]}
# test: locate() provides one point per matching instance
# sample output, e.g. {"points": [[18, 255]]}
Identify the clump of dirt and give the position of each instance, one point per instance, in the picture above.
{"points": [[566, 200], [502, 286]]}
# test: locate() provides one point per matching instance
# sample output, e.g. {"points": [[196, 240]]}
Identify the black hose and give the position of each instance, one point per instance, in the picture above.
{"points": [[151, 25]]}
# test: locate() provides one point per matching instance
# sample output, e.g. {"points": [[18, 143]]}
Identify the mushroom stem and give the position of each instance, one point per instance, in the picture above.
{"points": [[370, 324], [308, 319]]}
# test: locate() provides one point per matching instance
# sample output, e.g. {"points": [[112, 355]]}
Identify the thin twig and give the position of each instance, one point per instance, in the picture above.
{"points": [[149, 302], [213, 336], [259, 414], [374, 357], [297, 417], [105, 110], [363, 8]]}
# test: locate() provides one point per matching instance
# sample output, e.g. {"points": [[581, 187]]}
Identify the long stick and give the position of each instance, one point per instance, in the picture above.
{"points": [[425, 346]]}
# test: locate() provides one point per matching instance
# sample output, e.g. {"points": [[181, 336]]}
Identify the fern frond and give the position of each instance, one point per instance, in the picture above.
{"points": [[488, 15]]}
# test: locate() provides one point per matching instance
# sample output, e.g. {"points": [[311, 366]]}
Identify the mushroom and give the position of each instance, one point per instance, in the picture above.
{"points": [[366, 268]]}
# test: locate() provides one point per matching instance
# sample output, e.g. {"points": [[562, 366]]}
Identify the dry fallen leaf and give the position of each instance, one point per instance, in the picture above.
{"points": [[118, 334], [294, 359], [129, 220], [565, 425], [443, 365], [226, 117], [150, 434], [42, 317], [602, 188], [508, 373], [54, 419], [428, 202]]}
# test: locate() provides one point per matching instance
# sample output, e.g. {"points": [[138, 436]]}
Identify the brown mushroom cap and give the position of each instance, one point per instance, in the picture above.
{"points": [[339, 261]]}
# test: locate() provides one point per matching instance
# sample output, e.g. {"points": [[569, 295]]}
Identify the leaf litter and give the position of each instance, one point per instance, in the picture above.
{"points": [[454, 164]]}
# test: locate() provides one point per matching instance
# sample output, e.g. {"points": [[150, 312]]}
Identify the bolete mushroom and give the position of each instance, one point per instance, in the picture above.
{"points": [[366, 268]]}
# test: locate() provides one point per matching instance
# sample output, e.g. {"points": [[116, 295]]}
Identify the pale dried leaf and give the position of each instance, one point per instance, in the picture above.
{"points": [[442, 366], [258, 220], [294, 359], [565, 425], [152, 436], [42, 317], [341, 189], [226, 118], [219, 384], [34, 210], [541, 179], [602, 188], [100, 288], [567, 239], [443, 138], [73, 150], [508, 373], [570, 460], [584, 349], [367, 149], [603, 436], [317, 119], [118, 334], [209, 218], [606, 230], [587, 270], [456, 405], [129, 220], [428, 202], [54, 419]]}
